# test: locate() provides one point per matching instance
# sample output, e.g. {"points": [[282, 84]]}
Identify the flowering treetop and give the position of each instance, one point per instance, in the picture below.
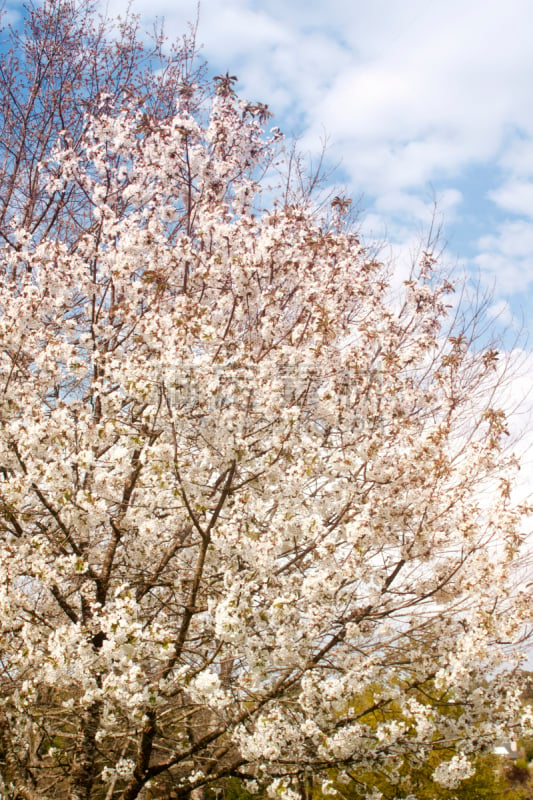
{"points": [[256, 515]]}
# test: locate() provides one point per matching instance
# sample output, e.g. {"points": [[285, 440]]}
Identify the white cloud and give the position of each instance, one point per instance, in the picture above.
{"points": [[501, 312], [420, 207], [506, 257], [441, 95], [518, 156], [515, 196]]}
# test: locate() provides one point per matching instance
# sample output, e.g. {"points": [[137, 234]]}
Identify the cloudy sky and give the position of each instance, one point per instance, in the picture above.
{"points": [[421, 101]]}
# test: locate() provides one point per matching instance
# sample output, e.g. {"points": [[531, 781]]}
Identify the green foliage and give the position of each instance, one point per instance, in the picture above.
{"points": [[492, 780]]}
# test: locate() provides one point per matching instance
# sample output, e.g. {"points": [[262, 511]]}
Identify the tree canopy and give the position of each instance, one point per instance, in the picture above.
{"points": [[250, 500]]}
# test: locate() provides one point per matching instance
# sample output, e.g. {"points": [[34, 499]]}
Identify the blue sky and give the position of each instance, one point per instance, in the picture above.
{"points": [[421, 100]]}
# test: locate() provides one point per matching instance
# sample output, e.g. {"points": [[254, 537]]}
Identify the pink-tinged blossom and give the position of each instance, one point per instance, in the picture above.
{"points": [[257, 514]]}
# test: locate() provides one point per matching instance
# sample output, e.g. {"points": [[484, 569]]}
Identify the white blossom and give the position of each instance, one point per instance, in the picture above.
{"points": [[255, 510], [450, 773]]}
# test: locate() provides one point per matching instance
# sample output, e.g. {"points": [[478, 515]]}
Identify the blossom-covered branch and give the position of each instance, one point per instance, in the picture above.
{"points": [[249, 501]]}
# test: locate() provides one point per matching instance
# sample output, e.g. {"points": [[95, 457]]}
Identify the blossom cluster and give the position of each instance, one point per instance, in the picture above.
{"points": [[272, 570]]}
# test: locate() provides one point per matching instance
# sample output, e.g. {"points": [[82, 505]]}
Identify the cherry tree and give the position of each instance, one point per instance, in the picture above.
{"points": [[256, 511], [55, 70]]}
